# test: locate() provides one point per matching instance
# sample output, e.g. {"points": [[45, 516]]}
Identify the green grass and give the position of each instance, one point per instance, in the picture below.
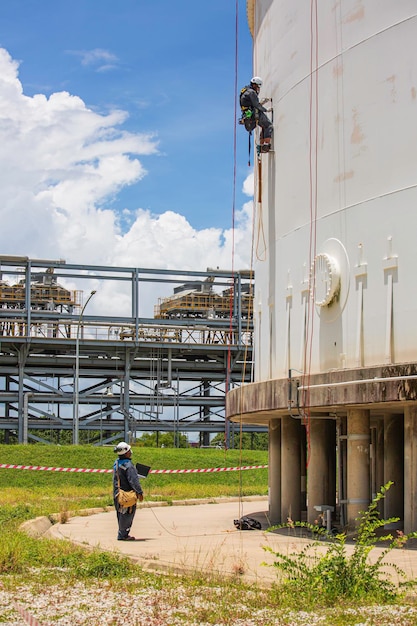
{"points": [[36, 565], [47, 492], [25, 494]]}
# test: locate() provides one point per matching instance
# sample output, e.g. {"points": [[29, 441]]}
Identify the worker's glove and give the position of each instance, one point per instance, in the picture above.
{"points": [[268, 110], [265, 100]]}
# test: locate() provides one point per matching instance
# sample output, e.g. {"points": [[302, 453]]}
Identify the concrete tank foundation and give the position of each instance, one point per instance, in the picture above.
{"points": [[360, 434]]}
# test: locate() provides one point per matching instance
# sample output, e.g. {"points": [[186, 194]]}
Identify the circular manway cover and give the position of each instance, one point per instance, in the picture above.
{"points": [[326, 274]]}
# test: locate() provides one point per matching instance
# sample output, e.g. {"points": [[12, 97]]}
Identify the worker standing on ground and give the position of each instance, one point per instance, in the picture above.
{"points": [[253, 112], [125, 477]]}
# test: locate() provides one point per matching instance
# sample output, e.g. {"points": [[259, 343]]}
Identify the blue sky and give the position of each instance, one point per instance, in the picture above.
{"points": [[171, 67]]}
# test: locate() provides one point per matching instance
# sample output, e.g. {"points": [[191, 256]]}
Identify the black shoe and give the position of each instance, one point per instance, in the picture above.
{"points": [[128, 538], [265, 147]]}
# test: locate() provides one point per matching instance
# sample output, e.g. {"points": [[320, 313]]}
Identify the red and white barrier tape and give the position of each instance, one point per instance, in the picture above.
{"points": [[78, 470], [209, 469]]}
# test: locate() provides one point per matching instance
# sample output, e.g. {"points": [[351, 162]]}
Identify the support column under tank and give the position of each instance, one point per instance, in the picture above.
{"points": [[394, 468], [410, 469], [321, 471], [358, 466], [290, 469], [274, 474]]}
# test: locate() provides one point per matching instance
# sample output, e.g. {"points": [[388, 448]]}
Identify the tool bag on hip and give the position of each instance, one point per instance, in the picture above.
{"points": [[127, 498], [248, 119]]}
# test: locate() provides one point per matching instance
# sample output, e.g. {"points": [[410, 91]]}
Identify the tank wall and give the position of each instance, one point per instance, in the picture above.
{"points": [[347, 136]]}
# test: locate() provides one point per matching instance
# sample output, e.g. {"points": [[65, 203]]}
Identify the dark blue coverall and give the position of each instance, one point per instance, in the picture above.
{"points": [[249, 99], [129, 480]]}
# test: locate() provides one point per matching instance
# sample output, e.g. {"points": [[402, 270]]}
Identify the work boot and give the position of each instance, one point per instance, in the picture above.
{"points": [[265, 147]]}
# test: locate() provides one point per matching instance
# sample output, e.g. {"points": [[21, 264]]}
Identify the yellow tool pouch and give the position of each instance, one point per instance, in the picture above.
{"points": [[127, 498]]}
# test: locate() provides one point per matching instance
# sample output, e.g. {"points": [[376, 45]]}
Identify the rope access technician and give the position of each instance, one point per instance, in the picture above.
{"points": [[253, 112]]}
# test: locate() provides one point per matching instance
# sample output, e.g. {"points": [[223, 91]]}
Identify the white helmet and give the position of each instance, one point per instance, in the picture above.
{"points": [[256, 81], [122, 448]]}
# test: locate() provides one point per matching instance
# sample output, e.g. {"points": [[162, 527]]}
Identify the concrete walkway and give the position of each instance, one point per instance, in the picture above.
{"points": [[203, 538]]}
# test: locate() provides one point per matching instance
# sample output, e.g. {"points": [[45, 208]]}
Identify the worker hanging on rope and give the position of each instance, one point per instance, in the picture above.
{"points": [[253, 112]]}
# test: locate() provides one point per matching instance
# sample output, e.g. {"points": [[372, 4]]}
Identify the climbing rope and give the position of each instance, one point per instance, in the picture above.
{"points": [[313, 181], [231, 298]]}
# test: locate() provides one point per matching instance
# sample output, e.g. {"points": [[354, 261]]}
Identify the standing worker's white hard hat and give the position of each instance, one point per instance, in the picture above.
{"points": [[122, 448], [256, 80]]}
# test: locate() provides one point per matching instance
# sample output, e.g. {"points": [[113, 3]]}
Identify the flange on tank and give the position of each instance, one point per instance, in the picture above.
{"points": [[330, 279]]}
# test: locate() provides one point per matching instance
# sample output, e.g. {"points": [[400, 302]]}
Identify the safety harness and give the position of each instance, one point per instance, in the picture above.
{"points": [[248, 119], [249, 114]]}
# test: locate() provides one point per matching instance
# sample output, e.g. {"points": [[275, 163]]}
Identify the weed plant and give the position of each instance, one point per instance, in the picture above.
{"points": [[311, 578], [59, 569]]}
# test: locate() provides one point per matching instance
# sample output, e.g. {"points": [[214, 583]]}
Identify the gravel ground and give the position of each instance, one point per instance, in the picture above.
{"points": [[100, 604]]}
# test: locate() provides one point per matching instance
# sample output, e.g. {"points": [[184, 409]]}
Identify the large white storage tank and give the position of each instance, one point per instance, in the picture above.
{"points": [[335, 302], [341, 187]]}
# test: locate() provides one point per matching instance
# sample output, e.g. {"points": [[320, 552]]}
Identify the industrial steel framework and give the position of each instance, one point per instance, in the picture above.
{"points": [[116, 373]]}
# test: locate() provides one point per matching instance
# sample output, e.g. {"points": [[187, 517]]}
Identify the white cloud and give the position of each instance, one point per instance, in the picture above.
{"points": [[61, 164], [101, 60], [249, 185]]}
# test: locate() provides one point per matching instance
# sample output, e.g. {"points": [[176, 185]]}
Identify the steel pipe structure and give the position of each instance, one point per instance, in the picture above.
{"points": [[167, 371]]}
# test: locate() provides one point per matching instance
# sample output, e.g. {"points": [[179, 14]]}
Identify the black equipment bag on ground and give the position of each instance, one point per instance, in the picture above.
{"points": [[247, 523]]}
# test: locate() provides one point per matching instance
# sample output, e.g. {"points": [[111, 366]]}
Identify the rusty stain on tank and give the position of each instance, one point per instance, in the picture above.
{"points": [[413, 93], [391, 80], [337, 70], [357, 136], [355, 15], [344, 176]]}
